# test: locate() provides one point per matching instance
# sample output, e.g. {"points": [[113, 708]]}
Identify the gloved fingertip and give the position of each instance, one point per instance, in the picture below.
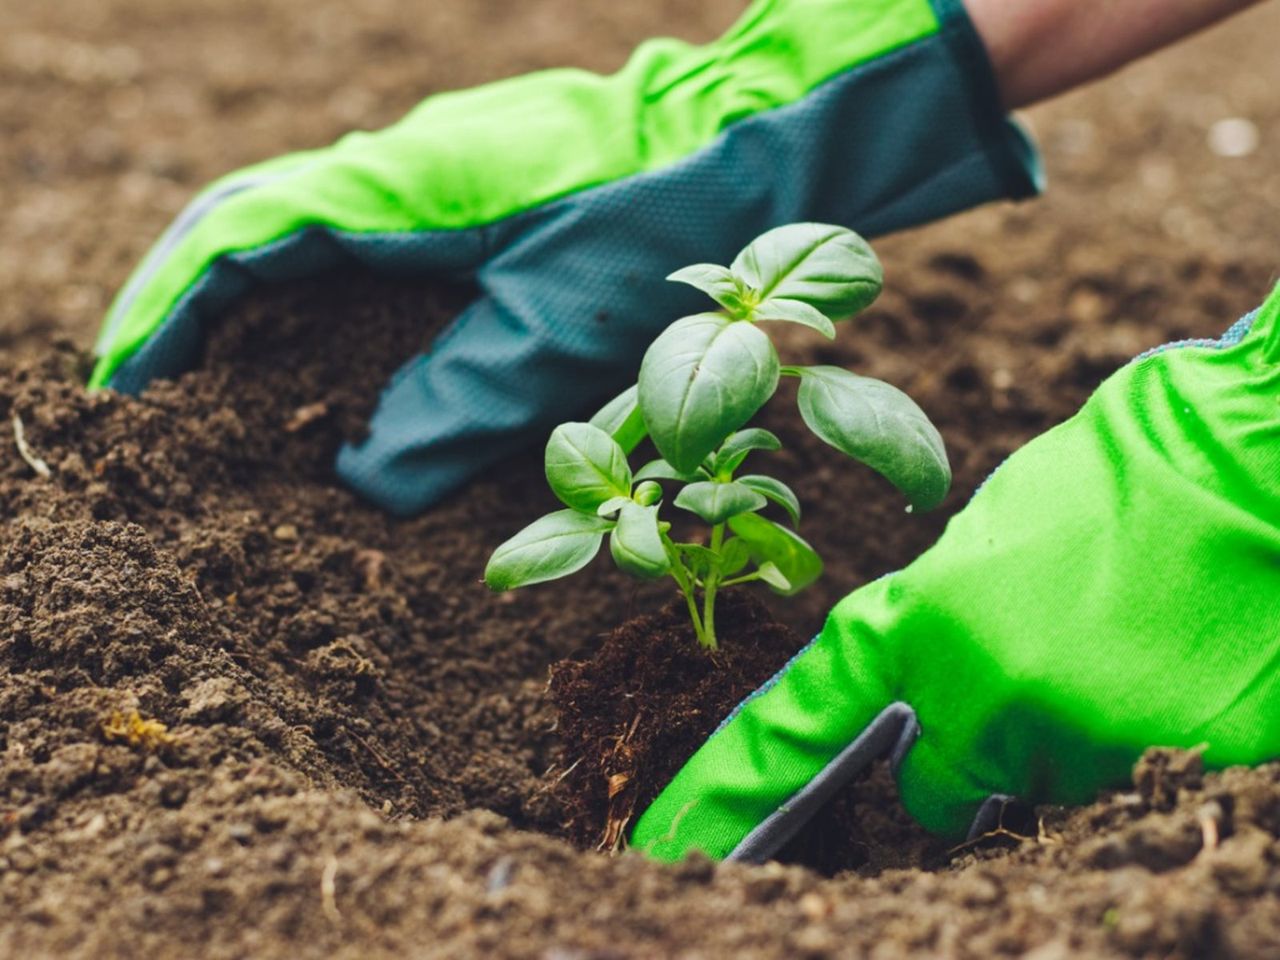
{"points": [[375, 469]]}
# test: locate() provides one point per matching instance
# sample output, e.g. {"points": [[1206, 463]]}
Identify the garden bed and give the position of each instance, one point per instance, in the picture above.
{"points": [[244, 714], [357, 741]]}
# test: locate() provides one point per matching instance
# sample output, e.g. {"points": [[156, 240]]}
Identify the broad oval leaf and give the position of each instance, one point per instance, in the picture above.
{"points": [[621, 419], [796, 311], [551, 547], [717, 502], [777, 491], [703, 378], [734, 450], [586, 467], [768, 542], [715, 281], [636, 545], [828, 267], [661, 470], [879, 425]]}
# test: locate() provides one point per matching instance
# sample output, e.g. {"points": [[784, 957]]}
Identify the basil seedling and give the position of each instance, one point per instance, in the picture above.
{"points": [[700, 383]]}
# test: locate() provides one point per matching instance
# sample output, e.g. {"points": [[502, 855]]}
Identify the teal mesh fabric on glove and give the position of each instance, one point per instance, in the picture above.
{"points": [[1114, 585], [568, 198]]}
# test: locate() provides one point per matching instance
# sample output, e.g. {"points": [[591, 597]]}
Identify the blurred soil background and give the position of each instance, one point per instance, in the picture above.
{"points": [[357, 749]]}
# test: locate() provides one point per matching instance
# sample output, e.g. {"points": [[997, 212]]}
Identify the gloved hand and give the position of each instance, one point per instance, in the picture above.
{"points": [[568, 197], [1114, 585]]}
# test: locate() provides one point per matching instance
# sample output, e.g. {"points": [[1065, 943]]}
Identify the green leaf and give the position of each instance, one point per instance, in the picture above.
{"points": [[827, 267], [777, 491], [585, 466], [734, 555], [700, 559], [717, 502], [647, 493], [621, 419], [661, 470], [771, 575], [636, 545], [771, 543], [734, 450], [879, 425], [703, 378], [554, 546], [716, 282], [611, 506], [795, 311]]}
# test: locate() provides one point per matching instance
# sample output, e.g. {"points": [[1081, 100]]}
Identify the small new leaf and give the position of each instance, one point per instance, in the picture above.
{"points": [[661, 470], [586, 467], [795, 311], [611, 506], [621, 419], [771, 575], [828, 267], [717, 502], [704, 377], [554, 546], [734, 450], [716, 282], [771, 543], [879, 425], [777, 491], [636, 545], [647, 493]]}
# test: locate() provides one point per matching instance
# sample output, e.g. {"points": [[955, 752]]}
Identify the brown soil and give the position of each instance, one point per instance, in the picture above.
{"points": [[629, 714], [357, 756]]}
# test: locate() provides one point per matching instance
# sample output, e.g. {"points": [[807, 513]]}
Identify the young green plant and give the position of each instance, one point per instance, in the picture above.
{"points": [[700, 383]]}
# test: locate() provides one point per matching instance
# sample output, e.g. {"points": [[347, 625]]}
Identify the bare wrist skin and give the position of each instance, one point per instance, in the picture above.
{"points": [[1040, 48]]}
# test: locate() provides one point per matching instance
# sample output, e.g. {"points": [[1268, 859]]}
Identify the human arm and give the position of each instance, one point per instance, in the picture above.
{"points": [[1040, 48]]}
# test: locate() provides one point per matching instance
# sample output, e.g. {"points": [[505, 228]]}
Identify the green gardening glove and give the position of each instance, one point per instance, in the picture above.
{"points": [[567, 197], [1114, 585]]}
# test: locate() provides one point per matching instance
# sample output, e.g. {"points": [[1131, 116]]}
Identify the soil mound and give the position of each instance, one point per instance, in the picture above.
{"points": [[242, 713]]}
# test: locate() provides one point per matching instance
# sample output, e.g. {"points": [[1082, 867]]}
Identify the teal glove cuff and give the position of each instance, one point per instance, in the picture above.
{"points": [[568, 197], [1115, 585]]}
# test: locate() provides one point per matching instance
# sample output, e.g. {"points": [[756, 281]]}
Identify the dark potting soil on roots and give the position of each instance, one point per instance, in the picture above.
{"points": [[631, 713]]}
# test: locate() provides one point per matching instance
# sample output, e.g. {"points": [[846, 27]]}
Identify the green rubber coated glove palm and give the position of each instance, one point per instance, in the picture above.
{"points": [[1114, 585], [567, 197]]}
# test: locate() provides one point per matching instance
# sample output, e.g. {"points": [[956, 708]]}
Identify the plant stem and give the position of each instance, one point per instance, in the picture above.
{"points": [[685, 580], [709, 588], [700, 631]]}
